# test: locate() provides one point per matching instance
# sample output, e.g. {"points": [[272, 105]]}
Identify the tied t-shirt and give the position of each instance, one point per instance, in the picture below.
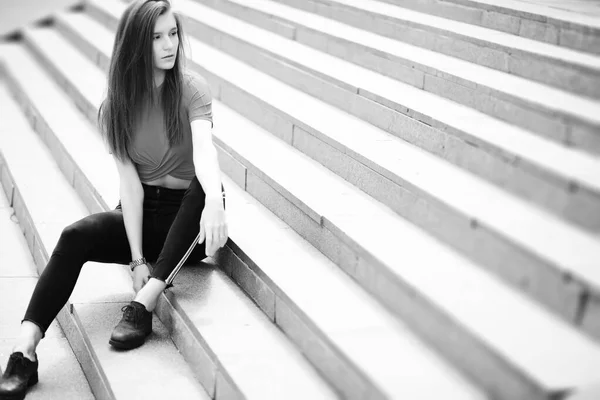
{"points": [[150, 150]]}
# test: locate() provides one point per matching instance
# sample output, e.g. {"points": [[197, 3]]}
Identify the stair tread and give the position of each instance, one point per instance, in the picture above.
{"points": [[149, 361], [547, 236], [575, 166], [65, 208], [568, 56], [374, 217]]}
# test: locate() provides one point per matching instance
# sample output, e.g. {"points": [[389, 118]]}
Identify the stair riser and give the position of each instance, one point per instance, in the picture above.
{"points": [[527, 25], [205, 364], [527, 180], [575, 78], [68, 322], [101, 16]]}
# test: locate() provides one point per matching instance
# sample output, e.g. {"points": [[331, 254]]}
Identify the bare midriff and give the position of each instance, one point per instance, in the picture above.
{"points": [[169, 182]]}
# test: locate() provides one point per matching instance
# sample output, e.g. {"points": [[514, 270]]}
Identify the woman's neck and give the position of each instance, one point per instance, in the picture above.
{"points": [[159, 77]]}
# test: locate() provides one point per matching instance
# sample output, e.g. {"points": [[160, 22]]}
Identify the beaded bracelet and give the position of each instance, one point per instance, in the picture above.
{"points": [[137, 263]]}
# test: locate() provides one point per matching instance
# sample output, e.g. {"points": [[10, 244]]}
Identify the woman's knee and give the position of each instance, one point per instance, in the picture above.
{"points": [[82, 231]]}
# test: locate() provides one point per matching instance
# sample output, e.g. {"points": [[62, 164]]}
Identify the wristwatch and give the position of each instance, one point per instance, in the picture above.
{"points": [[136, 263]]}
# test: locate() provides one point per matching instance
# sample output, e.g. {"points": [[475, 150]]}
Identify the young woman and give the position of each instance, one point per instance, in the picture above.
{"points": [[157, 121]]}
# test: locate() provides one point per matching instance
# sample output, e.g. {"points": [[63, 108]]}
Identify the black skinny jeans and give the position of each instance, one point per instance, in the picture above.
{"points": [[171, 221]]}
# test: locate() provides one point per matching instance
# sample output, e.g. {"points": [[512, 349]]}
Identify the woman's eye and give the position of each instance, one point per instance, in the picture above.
{"points": [[156, 37], [173, 33]]}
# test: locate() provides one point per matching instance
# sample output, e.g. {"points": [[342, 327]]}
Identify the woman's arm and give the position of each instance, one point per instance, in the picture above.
{"points": [[132, 200], [213, 224], [206, 163]]}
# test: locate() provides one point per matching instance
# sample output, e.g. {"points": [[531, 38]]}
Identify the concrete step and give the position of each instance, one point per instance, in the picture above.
{"points": [[543, 256], [559, 67], [209, 318], [502, 154], [533, 21], [564, 117], [329, 220], [101, 288], [61, 376]]}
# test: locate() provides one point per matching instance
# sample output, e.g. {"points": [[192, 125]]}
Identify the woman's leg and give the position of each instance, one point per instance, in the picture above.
{"points": [[177, 217], [97, 237], [181, 234]]}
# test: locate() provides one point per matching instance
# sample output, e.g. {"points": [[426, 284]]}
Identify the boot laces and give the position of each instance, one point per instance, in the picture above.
{"points": [[130, 313]]}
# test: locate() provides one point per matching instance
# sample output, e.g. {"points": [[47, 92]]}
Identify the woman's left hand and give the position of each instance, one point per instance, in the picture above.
{"points": [[213, 226]]}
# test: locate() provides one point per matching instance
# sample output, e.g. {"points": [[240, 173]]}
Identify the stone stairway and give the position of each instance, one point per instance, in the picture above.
{"points": [[414, 201]]}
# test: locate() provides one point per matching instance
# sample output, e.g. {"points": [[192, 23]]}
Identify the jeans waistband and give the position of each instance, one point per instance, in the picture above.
{"points": [[162, 193]]}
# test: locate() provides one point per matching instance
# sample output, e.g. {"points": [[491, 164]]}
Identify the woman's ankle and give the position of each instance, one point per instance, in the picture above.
{"points": [[148, 295], [27, 351], [30, 336]]}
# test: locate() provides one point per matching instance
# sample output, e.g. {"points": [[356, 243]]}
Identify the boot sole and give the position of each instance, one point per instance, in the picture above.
{"points": [[127, 345]]}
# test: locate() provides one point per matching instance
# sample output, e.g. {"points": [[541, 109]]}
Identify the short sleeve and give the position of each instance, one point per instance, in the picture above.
{"points": [[200, 106]]}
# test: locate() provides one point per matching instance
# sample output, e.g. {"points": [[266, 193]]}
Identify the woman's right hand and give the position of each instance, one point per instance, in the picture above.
{"points": [[140, 277]]}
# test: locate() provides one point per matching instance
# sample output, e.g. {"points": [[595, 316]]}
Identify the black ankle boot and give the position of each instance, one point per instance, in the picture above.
{"points": [[20, 374], [133, 328]]}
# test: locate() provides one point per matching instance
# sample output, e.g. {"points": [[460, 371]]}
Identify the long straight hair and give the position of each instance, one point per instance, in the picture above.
{"points": [[131, 79]]}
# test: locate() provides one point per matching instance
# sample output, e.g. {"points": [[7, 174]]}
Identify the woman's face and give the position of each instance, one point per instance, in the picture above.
{"points": [[165, 41]]}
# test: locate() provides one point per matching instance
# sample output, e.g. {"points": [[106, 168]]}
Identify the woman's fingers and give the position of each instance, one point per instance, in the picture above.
{"points": [[215, 234], [223, 235], [209, 238], [212, 240]]}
